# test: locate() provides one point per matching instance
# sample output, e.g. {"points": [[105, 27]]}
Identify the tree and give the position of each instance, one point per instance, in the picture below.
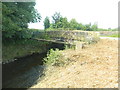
{"points": [[80, 26], [73, 24], [46, 23], [94, 27], [88, 27], [16, 16], [56, 19], [65, 23]]}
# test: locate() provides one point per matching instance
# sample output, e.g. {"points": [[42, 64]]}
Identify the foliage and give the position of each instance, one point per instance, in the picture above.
{"points": [[16, 16], [101, 29], [54, 57], [114, 35], [73, 24], [88, 27], [24, 34], [56, 20], [94, 27], [56, 17], [46, 23], [69, 47], [19, 48], [80, 26], [61, 23]]}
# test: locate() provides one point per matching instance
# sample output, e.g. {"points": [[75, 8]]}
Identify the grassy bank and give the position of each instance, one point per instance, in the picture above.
{"points": [[109, 34], [19, 48], [114, 35]]}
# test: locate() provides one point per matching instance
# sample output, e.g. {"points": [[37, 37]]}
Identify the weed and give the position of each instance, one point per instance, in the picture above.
{"points": [[54, 58]]}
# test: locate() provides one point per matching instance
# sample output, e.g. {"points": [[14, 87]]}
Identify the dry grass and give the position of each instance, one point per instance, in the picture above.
{"points": [[93, 67]]}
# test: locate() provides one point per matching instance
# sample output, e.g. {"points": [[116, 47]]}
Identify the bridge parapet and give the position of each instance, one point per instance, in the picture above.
{"points": [[69, 36], [84, 36]]}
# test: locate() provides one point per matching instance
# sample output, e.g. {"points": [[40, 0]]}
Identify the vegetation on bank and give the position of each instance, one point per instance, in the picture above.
{"points": [[113, 35], [16, 16], [55, 58], [19, 48]]}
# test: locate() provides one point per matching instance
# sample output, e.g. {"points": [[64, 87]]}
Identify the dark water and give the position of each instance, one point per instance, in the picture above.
{"points": [[13, 71], [26, 71]]}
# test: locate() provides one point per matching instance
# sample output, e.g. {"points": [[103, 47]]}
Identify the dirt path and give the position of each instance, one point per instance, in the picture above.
{"points": [[96, 66]]}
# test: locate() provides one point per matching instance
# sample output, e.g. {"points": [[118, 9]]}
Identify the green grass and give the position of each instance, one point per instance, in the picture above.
{"points": [[114, 35], [20, 48]]}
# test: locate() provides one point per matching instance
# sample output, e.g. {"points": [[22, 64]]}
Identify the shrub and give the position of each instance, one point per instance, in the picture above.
{"points": [[54, 58]]}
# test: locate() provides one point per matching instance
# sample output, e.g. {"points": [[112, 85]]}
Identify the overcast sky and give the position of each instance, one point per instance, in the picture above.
{"points": [[104, 12]]}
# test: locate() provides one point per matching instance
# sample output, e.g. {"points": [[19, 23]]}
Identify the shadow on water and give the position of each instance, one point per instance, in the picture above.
{"points": [[26, 71], [23, 72]]}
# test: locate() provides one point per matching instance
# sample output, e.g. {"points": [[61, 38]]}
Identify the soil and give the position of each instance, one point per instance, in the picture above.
{"points": [[94, 66]]}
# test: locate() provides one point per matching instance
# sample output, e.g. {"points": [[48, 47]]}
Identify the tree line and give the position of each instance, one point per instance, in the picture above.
{"points": [[17, 15], [59, 22]]}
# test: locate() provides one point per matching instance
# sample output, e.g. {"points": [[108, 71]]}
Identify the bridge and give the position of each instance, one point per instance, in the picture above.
{"points": [[76, 38]]}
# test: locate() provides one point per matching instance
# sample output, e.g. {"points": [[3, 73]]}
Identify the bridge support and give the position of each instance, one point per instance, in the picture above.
{"points": [[79, 46]]}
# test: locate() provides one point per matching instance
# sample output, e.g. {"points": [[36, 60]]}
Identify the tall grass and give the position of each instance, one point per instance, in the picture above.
{"points": [[55, 58]]}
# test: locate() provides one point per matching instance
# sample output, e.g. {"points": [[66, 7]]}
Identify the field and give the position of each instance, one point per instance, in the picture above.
{"points": [[109, 34], [95, 66], [115, 35]]}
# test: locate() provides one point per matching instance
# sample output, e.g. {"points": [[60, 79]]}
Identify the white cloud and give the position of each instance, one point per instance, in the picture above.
{"points": [[105, 12]]}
